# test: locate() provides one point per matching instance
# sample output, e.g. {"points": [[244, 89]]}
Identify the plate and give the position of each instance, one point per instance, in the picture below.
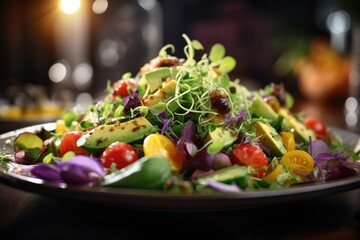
{"points": [[7, 125], [162, 201]]}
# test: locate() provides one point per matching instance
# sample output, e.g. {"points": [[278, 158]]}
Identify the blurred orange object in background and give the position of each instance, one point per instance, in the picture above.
{"points": [[323, 74]]}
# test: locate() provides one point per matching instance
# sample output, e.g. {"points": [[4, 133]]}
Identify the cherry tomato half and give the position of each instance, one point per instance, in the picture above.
{"points": [[299, 162], [120, 153], [68, 143], [123, 87], [288, 140], [248, 154], [159, 145], [272, 176], [317, 126]]}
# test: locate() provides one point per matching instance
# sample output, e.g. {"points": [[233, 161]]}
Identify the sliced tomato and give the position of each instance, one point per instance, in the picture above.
{"points": [[250, 155], [288, 140], [119, 153], [68, 143], [123, 87], [318, 126], [272, 176], [160, 145], [299, 162]]}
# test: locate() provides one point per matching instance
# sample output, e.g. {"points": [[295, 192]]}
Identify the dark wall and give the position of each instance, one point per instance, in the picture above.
{"points": [[26, 41], [254, 32]]}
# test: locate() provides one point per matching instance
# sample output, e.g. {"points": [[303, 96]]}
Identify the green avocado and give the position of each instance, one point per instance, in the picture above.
{"points": [[270, 139], [156, 77], [145, 173], [301, 132], [161, 95], [220, 138], [259, 108], [103, 135]]}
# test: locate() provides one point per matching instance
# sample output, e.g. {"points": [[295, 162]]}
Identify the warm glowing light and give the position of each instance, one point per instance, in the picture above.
{"points": [[70, 6], [100, 6]]}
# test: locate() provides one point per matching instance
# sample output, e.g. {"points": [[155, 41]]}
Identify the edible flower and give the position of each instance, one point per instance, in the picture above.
{"points": [[79, 170]]}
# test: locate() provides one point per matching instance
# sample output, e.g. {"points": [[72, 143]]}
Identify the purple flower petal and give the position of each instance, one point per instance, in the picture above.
{"points": [[78, 170], [91, 164], [77, 175], [317, 147], [47, 172]]}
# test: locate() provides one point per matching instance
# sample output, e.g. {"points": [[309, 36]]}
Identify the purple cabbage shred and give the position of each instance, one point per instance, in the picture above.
{"points": [[222, 187], [131, 102], [230, 122]]}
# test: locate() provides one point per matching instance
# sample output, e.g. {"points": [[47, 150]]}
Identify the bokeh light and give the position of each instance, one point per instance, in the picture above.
{"points": [[70, 6], [100, 6], [111, 51], [82, 75], [57, 72]]}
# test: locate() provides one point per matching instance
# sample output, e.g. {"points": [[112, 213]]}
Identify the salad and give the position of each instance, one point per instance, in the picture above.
{"points": [[184, 126]]}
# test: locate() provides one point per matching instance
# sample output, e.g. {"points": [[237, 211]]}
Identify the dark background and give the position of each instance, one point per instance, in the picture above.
{"points": [[256, 33]]}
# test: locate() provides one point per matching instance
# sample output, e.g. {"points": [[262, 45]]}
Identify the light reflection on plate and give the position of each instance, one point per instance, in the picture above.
{"points": [[162, 201]]}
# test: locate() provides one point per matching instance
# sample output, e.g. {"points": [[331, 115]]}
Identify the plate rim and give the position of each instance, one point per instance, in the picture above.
{"points": [[165, 201]]}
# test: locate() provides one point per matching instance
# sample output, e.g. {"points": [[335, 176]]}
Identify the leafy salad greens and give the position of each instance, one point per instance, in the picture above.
{"points": [[182, 125]]}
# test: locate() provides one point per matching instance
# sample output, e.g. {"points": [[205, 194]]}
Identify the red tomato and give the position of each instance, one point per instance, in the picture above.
{"points": [[250, 155], [120, 153], [317, 126], [68, 143], [123, 87]]}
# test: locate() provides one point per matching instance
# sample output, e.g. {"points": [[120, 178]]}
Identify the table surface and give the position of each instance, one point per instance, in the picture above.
{"points": [[25, 215]]}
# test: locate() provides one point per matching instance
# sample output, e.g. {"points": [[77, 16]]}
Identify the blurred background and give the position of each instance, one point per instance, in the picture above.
{"points": [[59, 54]]}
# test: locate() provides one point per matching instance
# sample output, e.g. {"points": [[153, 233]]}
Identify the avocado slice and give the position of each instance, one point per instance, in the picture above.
{"points": [[220, 138], [156, 77], [300, 130], [104, 135], [259, 108], [161, 95], [270, 138]]}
